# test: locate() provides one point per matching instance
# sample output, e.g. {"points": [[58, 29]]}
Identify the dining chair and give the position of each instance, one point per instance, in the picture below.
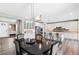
{"points": [[17, 46], [38, 38], [51, 50]]}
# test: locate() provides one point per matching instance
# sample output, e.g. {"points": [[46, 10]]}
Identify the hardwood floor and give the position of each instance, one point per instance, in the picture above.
{"points": [[7, 46]]}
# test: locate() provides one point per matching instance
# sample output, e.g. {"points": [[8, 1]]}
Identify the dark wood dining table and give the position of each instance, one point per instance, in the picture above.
{"points": [[37, 49]]}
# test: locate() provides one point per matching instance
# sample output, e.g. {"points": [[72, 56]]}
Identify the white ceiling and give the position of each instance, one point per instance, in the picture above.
{"points": [[49, 11], [57, 11], [14, 10]]}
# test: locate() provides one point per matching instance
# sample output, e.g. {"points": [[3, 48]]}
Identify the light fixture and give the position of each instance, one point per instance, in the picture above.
{"points": [[38, 18]]}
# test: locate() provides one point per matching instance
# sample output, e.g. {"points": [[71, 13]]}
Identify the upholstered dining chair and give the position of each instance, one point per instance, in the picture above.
{"points": [[18, 45], [38, 38], [20, 38]]}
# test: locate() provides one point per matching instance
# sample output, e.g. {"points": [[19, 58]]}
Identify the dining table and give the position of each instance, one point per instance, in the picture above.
{"points": [[38, 48]]}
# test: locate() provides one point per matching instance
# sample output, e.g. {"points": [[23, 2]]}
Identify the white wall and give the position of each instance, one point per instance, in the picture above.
{"points": [[8, 20], [4, 29], [38, 24], [4, 26]]}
